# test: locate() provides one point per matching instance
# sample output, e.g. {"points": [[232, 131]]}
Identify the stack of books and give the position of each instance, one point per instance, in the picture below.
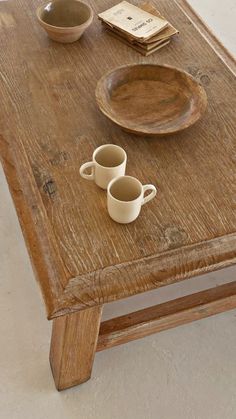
{"points": [[143, 28]]}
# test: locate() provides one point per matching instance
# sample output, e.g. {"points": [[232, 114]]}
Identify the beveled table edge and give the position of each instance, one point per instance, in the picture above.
{"points": [[152, 272]]}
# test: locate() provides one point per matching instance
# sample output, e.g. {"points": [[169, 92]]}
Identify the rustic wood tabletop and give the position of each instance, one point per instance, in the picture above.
{"points": [[50, 125]]}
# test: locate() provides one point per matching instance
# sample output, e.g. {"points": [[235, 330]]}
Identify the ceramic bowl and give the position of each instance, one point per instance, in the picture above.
{"points": [[65, 20], [149, 99]]}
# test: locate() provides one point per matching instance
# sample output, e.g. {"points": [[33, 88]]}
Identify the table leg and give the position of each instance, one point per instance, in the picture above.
{"points": [[73, 345]]}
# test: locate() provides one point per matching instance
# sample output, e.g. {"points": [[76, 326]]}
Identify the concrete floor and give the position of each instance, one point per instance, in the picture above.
{"points": [[184, 373]]}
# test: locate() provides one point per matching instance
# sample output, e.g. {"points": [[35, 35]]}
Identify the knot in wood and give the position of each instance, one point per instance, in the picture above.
{"points": [[50, 188], [175, 236], [205, 79]]}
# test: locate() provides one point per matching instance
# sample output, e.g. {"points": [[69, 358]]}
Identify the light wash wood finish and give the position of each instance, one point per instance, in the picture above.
{"points": [[164, 316], [50, 124], [73, 345], [152, 100]]}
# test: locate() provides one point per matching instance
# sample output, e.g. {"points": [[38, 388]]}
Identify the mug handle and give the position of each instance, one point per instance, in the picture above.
{"points": [[84, 167], [150, 195]]}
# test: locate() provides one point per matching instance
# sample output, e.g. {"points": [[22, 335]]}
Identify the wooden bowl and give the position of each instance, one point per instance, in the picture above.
{"points": [[151, 99], [65, 20]]}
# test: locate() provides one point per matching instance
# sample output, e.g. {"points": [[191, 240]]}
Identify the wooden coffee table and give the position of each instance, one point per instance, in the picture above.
{"points": [[50, 125]]}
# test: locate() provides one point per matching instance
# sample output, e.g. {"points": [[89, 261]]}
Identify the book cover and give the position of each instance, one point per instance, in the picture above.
{"points": [[131, 19]]}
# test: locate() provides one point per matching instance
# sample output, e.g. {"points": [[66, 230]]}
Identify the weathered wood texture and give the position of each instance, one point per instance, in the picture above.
{"points": [[167, 315], [50, 124], [151, 99], [73, 345]]}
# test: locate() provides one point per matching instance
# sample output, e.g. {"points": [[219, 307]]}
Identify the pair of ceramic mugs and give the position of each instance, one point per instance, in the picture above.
{"points": [[125, 194]]}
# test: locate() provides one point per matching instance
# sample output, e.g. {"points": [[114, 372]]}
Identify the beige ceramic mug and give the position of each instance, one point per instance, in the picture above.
{"points": [[108, 162], [125, 197]]}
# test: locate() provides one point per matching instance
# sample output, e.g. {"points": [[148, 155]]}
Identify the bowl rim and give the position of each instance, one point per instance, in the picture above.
{"points": [[62, 28], [99, 89]]}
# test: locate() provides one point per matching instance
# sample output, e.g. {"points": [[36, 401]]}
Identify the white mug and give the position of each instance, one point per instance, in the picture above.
{"points": [[125, 196], [108, 162]]}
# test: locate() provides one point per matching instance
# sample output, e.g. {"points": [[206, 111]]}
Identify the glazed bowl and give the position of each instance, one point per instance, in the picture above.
{"points": [[65, 20], [150, 99]]}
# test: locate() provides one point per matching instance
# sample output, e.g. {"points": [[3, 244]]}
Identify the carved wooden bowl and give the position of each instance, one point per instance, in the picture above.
{"points": [[151, 99]]}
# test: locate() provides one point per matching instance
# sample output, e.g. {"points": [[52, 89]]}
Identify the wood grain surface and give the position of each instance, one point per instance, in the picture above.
{"points": [[50, 125], [166, 315], [151, 99], [73, 346]]}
